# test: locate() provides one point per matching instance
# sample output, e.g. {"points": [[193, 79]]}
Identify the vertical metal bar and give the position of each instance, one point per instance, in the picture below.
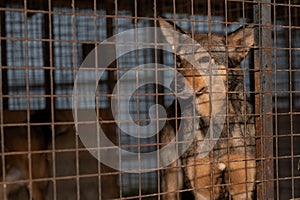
{"points": [[211, 155], [74, 39], [112, 9], [109, 32], [28, 98], [3, 59], [276, 120], [4, 83], [158, 58], [97, 99], [50, 103], [109, 182], [263, 101], [291, 95], [47, 32], [138, 104]]}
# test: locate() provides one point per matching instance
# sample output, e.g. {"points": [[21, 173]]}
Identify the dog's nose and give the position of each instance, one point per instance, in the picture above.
{"points": [[180, 86]]}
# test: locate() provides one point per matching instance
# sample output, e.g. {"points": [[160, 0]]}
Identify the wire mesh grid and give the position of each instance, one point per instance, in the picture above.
{"points": [[43, 45]]}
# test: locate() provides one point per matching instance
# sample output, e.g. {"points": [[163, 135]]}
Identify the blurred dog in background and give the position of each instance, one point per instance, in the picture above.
{"points": [[24, 147]]}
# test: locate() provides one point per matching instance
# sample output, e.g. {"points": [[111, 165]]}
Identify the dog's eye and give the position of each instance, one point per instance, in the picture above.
{"points": [[178, 62], [202, 91]]}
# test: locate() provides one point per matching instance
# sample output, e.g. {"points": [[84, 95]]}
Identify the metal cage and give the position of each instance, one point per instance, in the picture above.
{"points": [[43, 45]]}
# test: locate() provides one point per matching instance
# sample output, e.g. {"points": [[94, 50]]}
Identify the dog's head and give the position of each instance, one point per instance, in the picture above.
{"points": [[215, 52]]}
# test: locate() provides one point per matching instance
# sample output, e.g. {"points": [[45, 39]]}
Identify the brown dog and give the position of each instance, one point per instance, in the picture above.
{"points": [[230, 168], [17, 164]]}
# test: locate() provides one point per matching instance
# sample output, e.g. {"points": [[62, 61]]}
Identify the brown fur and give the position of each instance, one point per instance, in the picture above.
{"points": [[232, 160], [17, 164]]}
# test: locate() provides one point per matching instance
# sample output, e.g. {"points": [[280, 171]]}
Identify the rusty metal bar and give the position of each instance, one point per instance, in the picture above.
{"points": [[263, 100], [3, 60], [47, 55]]}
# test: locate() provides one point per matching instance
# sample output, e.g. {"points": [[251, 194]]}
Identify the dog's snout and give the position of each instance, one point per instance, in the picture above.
{"points": [[180, 86]]}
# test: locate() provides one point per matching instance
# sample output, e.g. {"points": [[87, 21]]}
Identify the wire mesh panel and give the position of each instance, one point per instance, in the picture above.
{"points": [[149, 99], [285, 54]]}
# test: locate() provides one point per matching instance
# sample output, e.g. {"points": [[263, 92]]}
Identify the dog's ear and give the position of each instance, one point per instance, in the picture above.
{"points": [[184, 46], [167, 24], [174, 35], [240, 43]]}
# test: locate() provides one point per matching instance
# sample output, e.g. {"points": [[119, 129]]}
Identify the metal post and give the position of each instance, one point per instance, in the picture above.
{"points": [[263, 101]]}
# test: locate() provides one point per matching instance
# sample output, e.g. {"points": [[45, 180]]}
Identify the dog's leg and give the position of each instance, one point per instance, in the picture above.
{"points": [[241, 177], [172, 177], [39, 170], [37, 192], [172, 181], [205, 178]]}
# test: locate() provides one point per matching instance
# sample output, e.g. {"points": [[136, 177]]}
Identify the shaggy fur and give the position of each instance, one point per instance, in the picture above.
{"points": [[230, 168]]}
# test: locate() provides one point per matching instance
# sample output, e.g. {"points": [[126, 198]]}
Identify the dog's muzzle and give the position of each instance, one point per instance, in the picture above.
{"points": [[182, 89]]}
